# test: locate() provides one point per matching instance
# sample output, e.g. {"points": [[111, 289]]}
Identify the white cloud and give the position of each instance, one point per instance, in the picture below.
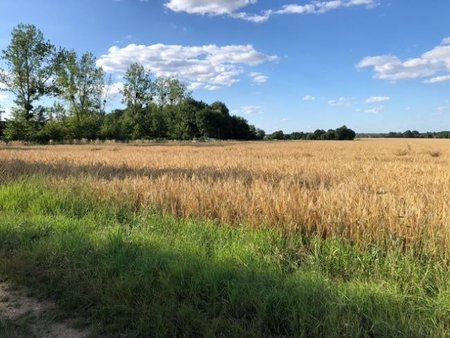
{"points": [[113, 90], [258, 77], [342, 102], [209, 66], [250, 110], [309, 98], [377, 99], [434, 65], [256, 18], [232, 8], [438, 79], [445, 41], [209, 7], [374, 110]]}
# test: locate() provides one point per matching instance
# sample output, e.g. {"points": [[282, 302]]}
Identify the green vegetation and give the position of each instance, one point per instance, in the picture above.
{"points": [[156, 108], [340, 134], [408, 134], [141, 273]]}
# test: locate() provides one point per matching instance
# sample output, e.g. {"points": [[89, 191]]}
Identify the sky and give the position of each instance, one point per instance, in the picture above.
{"points": [[294, 65]]}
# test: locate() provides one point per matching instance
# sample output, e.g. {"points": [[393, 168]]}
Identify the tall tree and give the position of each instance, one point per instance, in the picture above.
{"points": [[138, 95], [81, 84], [171, 91], [30, 64], [138, 90]]}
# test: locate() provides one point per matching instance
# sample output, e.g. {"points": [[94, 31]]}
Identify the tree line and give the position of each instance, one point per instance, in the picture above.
{"points": [[155, 107], [407, 134], [341, 134]]}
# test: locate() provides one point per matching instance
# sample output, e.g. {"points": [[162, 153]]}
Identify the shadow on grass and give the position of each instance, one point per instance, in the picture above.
{"points": [[138, 286]]}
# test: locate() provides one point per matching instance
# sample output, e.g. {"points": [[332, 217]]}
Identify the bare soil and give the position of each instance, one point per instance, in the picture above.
{"points": [[22, 315]]}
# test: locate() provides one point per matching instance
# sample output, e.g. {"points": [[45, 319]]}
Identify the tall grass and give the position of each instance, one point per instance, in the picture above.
{"points": [[136, 273], [362, 191]]}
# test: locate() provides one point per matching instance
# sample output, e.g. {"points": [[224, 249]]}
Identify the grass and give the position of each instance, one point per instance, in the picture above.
{"points": [[136, 272], [388, 193]]}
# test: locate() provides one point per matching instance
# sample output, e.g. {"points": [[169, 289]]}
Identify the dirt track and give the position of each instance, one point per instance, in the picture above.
{"points": [[22, 315]]}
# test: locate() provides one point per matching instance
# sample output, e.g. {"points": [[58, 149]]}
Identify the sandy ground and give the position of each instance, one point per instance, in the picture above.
{"points": [[22, 315]]}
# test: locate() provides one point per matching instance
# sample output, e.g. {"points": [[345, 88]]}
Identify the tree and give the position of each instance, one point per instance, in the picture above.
{"points": [[344, 133], [31, 61], [170, 91], [277, 135], [138, 90], [81, 84], [138, 94], [113, 127]]}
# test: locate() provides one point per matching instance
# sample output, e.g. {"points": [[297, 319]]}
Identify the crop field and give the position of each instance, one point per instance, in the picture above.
{"points": [[234, 239]]}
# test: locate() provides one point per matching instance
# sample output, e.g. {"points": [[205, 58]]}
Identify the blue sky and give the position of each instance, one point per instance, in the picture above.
{"points": [[295, 65]]}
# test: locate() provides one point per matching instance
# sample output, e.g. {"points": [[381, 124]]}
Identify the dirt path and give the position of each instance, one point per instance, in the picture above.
{"points": [[24, 316]]}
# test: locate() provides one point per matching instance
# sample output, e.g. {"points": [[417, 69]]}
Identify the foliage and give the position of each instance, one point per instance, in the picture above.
{"points": [[407, 134], [80, 83], [158, 276], [156, 108], [342, 133], [31, 62]]}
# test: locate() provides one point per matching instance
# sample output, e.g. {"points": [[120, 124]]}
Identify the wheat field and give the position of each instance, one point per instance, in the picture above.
{"points": [[394, 193]]}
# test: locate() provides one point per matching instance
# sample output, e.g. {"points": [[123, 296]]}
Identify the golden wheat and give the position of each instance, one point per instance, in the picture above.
{"points": [[393, 192]]}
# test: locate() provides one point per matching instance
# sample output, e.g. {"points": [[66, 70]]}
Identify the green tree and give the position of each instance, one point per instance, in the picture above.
{"points": [[30, 65], [171, 91], [277, 135], [138, 94], [344, 133], [113, 127], [81, 84]]}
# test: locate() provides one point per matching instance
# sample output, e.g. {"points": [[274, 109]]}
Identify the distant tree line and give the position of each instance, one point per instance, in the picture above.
{"points": [[342, 133], [155, 108], [407, 134]]}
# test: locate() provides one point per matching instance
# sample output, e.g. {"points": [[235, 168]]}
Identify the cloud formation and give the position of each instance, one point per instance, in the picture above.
{"points": [[259, 78], [232, 8], [433, 66], [309, 98], [374, 110], [250, 110], [342, 102], [377, 99], [210, 67]]}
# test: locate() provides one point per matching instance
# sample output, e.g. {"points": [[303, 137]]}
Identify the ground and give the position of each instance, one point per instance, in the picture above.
{"points": [[23, 315]]}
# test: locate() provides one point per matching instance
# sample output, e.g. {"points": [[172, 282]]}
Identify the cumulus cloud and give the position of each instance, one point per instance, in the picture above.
{"points": [[113, 90], [258, 77], [309, 98], [342, 102], [445, 41], [232, 8], [433, 65], [210, 67], [374, 110], [250, 110], [377, 99], [438, 79], [210, 7]]}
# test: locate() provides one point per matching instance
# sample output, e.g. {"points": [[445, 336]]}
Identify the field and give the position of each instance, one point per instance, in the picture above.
{"points": [[234, 239]]}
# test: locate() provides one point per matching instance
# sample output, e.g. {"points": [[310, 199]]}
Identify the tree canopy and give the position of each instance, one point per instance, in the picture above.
{"points": [[155, 107]]}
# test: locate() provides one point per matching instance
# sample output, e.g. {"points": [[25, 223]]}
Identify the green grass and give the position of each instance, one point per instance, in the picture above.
{"points": [[141, 274]]}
